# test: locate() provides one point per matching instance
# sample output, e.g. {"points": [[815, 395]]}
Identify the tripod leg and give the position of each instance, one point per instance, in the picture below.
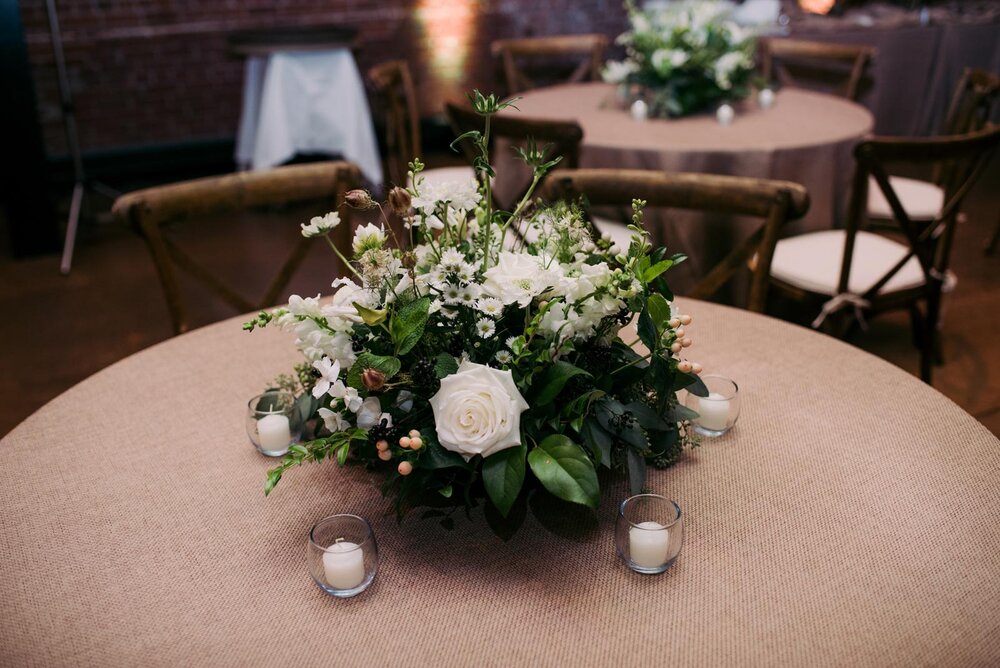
{"points": [[71, 225]]}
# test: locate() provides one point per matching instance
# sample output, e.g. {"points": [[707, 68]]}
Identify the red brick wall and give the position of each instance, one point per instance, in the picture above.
{"points": [[157, 71]]}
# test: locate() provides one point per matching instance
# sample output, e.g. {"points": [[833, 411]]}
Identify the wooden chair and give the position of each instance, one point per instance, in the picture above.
{"points": [[971, 107], [393, 86], [869, 273], [589, 49], [792, 61], [154, 210], [776, 202], [564, 137]]}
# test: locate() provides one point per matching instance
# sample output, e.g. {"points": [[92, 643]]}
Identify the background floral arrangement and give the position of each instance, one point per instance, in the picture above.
{"points": [[481, 355], [684, 57]]}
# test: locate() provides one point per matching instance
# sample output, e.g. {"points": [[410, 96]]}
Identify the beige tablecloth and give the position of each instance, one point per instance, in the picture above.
{"points": [[806, 137], [850, 518]]}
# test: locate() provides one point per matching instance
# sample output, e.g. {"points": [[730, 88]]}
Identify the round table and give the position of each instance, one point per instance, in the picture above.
{"points": [[850, 518], [805, 137]]}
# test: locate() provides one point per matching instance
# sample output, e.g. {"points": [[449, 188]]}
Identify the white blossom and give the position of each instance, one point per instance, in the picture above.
{"points": [[328, 372], [320, 225]]}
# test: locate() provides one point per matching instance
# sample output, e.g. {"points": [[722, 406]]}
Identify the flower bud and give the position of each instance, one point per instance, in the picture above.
{"points": [[399, 201], [373, 379], [359, 199], [408, 260]]}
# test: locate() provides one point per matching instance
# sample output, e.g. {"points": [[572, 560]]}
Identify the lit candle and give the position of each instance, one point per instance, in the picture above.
{"points": [[765, 98], [648, 543], [639, 110], [713, 412], [344, 565], [275, 432], [725, 114]]}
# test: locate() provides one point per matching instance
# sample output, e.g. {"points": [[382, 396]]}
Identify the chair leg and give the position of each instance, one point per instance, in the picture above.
{"points": [[930, 331], [916, 325], [991, 245]]}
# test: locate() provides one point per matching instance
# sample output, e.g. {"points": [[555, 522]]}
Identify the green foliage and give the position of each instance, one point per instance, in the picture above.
{"points": [[407, 325], [565, 471], [503, 477], [547, 385], [338, 445], [388, 365]]}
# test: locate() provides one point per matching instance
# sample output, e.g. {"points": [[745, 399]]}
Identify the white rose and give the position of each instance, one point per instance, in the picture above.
{"points": [[478, 410]]}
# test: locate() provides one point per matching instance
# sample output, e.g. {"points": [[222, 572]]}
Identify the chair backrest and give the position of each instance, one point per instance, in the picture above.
{"points": [[930, 242], [776, 202], [564, 137], [397, 102], [972, 103], [517, 55], [792, 61], [154, 209]]}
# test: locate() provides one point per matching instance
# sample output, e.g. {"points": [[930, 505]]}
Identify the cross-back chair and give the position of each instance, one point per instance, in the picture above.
{"points": [[517, 56], [868, 273], [152, 211], [393, 87], [775, 202], [564, 138], [792, 61]]}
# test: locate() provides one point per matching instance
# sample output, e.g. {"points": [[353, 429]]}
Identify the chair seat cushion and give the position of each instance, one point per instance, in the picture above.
{"points": [[448, 175], [921, 200], [812, 262]]}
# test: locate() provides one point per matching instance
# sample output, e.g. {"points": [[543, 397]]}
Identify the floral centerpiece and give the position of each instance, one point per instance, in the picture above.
{"points": [[482, 353], [684, 57]]}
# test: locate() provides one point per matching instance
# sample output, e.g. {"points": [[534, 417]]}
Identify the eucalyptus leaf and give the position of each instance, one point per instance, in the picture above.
{"points": [[636, 472], [565, 471], [679, 413], [598, 441], [503, 477]]}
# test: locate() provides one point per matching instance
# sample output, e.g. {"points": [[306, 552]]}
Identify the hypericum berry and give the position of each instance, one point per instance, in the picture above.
{"points": [[416, 443], [384, 455], [382, 446], [685, 320], [405, 468], [685, 366], [675, 347], [674, 323], [697, 368], [404, 442], [414, 433]]}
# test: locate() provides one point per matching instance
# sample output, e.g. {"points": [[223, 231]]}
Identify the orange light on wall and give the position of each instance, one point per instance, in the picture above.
{"points": [[448, 26], [817, 6]]}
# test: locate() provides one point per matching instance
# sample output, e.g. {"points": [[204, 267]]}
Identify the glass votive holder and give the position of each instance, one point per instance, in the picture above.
{"points": [[273, 422], [342, 555], [649, 533], [717, 413]]}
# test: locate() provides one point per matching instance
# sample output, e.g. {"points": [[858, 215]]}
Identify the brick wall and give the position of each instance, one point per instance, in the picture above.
{"points": [[157, 71]]}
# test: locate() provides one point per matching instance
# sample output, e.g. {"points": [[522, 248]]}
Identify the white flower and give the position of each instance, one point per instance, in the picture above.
{"points": [[504, 356], [304, 306], [371, 414], [459, 194], [511, 340], [518, 277], [340, 312], [452, 259], [491, 306], [328, 372], [367, 238], [478, 410], [349, 395], [319, 225], [665, 60], [616, 71], [404, 401], [333, 420], [485, 328]]}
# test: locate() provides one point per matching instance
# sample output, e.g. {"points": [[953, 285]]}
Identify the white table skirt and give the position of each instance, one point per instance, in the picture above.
{"points": [[306, 102]]}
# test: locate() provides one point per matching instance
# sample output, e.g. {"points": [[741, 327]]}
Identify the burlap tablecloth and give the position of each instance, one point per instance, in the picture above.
{"points": [[850, 518], [805, 137]]}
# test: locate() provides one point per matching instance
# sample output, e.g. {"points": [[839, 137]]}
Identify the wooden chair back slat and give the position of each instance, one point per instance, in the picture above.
{"points": [[515, 56], [151, 210], [564, 137], [396, 100], [776, 202], [778, 53]]}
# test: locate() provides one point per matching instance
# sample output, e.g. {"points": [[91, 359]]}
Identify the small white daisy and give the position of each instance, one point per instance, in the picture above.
{"points": [[491, 306], [451, 292], [504, 357], [510, 342], [485, 328]]}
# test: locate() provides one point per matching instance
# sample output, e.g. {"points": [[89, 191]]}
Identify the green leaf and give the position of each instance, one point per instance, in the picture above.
{"points": [[446, 491], [342, 454], [371, 317], [551, 381], [657, 269], [598, 441], [445, 366], [648, 333], [647, 416], [565, 470], [636, 472], [407, 325], [679, 413], [433, 456], [503, 476], [659, 311]]}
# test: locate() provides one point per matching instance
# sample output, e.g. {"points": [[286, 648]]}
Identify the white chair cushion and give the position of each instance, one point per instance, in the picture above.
{"points": [[620, 234], [448, 174], [921, 200], [812, 262]]}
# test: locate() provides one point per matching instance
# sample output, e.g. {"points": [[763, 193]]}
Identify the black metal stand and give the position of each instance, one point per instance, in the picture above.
{"points": [[73, 142]]}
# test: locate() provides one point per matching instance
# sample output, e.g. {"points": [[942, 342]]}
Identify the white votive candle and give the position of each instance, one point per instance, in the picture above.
{"points": [[725, 114], [648, 543], [274, 432], [713, 412], [639, 110], [344, 565], [766, 98]]}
